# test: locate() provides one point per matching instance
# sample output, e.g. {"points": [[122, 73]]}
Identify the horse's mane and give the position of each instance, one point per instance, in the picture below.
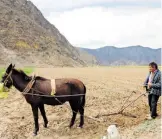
{"points": [[29, 77], [40, 78], [21, 72]]}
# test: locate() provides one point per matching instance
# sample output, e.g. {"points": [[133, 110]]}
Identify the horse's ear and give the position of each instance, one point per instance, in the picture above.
{"points": [[10, 65], [13, 66], [9, 68]]}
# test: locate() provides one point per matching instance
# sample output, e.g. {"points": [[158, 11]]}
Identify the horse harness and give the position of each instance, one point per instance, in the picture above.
{"points": [[8, 76], [30, 85]]}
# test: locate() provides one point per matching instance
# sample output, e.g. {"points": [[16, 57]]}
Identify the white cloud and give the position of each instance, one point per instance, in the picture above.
{"points": [[47, 6], [94, 27], [66, 4], [96, 23]]}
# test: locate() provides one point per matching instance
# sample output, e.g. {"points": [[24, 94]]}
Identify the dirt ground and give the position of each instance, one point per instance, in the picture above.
{"points": [[107, 89]]}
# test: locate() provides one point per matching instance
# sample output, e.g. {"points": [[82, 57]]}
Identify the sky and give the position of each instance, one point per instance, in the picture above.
{"points": [[98, 23]]}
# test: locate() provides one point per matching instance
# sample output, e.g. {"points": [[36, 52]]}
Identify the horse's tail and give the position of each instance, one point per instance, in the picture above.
{"points": [[85, 89], [83, 99]]}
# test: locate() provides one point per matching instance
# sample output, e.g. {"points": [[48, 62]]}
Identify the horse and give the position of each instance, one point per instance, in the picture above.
{"points": [[37, 92]]}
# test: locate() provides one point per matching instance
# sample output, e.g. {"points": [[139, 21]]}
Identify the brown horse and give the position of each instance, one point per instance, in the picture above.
{"points": [[39, 93]]}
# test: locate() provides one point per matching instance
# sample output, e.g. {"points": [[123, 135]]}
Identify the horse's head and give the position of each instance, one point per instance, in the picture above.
{"points": [[6, 78]]}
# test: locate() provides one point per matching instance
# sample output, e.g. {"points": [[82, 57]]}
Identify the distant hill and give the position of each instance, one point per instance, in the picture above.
{"points": [[27, 38], [132, 55]]}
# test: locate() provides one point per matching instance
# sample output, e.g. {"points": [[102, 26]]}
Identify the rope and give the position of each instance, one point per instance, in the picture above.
{"points": [[93, 118], [30, 84], [59, 96], [29, 87]]}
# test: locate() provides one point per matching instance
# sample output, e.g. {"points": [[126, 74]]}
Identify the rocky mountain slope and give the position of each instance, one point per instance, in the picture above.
{"points": [[133, 55], [27, 38]]}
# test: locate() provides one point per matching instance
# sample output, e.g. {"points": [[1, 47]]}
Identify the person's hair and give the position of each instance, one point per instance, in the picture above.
{"points": [[153, 64]]}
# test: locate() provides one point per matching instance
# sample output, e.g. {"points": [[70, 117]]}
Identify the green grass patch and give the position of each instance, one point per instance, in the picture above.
{"points": [[2, 71], [3, 91], [3, 95], [28, 70]]}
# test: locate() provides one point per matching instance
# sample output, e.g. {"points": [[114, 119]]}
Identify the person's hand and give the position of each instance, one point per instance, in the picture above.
{"points": [[149, 85], [144, 86]]}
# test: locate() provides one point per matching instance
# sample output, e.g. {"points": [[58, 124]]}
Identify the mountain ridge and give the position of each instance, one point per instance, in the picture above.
{"points": [[130, 55], [119, 47]]}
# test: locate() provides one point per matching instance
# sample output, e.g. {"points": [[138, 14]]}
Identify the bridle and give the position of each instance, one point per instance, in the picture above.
{"points": [[8, 77], [27, 88]]}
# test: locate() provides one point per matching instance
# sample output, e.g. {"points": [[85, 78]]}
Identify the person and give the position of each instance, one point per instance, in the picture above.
{"points": [[153, 87]]}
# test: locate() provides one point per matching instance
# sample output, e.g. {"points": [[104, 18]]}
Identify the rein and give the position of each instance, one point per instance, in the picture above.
{"points": [[30, 87]]}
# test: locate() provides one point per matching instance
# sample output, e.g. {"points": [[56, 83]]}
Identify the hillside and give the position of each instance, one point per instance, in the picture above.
{"points": [[133, 55], [28, 38]]}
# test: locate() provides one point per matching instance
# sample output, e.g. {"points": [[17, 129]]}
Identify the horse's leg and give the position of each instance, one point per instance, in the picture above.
{"points": [[74, 107], [81, 111], [42, 110], [35, 114]]}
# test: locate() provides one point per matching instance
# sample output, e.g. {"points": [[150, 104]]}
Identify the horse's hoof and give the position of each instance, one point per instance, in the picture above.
{"points": [[34, 134], [80, 126], [71, 126], [45, 124]]}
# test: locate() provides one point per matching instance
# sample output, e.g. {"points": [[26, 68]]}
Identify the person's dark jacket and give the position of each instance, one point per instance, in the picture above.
{"points": [[156, 83]]}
